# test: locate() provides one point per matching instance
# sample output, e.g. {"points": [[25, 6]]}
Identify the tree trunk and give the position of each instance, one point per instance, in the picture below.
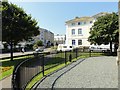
{"points": [[11, 50], [110, 47]]}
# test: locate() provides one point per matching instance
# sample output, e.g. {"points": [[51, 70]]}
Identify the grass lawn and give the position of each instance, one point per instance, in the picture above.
{"points": [[56, 61], [8, 66]]}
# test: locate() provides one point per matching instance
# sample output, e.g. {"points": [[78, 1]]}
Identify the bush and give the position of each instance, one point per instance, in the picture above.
{"points": [[35, 46], [39, 43], [29, 47]]}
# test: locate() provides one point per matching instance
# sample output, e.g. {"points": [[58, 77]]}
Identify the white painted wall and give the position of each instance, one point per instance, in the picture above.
{"points": [[84, 36], [46, 36]]}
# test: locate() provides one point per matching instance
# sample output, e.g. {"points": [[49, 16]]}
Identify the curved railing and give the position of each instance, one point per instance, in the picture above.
{"points": [[25, 71]]}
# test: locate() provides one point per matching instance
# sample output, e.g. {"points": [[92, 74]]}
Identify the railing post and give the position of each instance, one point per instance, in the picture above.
{"points": [[20, 78], [70, 56], [65, 57], [89, 53], [76, 53], [43, 65]]}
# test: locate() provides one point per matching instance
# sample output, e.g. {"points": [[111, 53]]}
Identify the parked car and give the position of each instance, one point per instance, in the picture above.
{"points": [[39, 49], [98, 49], [63, 47]]}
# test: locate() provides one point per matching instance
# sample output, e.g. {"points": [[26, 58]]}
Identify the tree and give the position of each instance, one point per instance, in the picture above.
{"points": [[37, 44], [105, 30], [16, 25]]}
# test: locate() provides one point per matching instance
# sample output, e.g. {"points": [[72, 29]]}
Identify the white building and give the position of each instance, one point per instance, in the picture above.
{"points": [[47, 37], [77, 30], [59, 39]]}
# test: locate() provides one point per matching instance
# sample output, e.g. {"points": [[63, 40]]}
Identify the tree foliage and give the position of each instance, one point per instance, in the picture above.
{"points": [[38, 44], [105, 30], [16, 25]]}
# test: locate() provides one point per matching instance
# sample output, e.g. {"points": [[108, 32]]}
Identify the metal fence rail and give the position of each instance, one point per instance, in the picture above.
{"points": [[26, 70]]}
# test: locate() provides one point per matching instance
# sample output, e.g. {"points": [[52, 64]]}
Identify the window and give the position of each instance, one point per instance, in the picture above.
{"points": [[73, 42], [79, 42], [90, 21], [73, 31], [79, 23], [73, 24], [79, 31]]}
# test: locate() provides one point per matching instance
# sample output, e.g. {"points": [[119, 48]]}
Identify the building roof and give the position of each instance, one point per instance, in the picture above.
{"points": [[86, 18], [100, 14], [45, 30], [77, 19]]}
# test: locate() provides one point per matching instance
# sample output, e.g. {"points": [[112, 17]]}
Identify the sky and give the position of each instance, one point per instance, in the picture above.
{"points": [[53, 15]]}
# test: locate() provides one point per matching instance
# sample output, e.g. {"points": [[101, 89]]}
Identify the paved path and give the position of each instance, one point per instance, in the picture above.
{"points": [[94, 72], [6, 83], [2, 55], [14, 54], [47, 83]]}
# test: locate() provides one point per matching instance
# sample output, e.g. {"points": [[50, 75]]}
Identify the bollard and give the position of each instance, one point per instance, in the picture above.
{"points": [[43, 65], [76, 53], [89, 53], [70, 57], [65, 57]]}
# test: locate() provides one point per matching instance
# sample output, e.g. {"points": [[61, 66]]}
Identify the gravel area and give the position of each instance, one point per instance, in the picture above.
{"points": [[50, 80], [93, 72]]}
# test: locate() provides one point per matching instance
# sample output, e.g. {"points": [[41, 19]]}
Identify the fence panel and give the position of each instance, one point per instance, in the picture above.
{"points": [[29, 68], [53, 60], [25, 71]]}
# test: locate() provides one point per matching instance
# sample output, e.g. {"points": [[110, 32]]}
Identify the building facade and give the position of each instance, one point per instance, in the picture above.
{"points": [[77, 30], [47, 37], [59, 39]]}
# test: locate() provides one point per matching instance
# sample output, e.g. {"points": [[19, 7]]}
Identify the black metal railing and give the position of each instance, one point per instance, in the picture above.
{"points": [[25, 71], [28, 69]]}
